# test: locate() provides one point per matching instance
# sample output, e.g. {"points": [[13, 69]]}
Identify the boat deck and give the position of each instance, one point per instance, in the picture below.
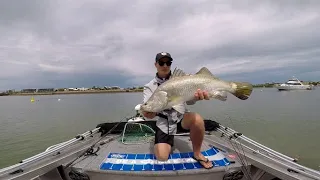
{"points": [[138, 159]]}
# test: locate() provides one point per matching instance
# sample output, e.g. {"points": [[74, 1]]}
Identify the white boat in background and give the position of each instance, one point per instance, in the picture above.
{"points": [[294, 84]]}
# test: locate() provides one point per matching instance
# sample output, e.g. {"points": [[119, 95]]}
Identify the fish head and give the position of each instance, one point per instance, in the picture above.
{"points": [[156, 103]]}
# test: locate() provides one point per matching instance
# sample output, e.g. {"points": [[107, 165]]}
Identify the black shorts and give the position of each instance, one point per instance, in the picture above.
{"points": [[161, 137]]}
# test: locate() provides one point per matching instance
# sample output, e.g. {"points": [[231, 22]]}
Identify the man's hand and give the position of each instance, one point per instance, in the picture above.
{"points": [[200, 95], [149, 115]]}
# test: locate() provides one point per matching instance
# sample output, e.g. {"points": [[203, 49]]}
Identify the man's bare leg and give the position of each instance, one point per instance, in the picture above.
{"points": [[162, 151], [195, 123]]}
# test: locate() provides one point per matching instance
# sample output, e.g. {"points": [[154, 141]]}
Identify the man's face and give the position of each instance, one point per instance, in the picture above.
{"points": [[163, 66]]}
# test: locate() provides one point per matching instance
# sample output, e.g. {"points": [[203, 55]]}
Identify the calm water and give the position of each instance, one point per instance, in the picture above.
{"points": [[285, 121]]}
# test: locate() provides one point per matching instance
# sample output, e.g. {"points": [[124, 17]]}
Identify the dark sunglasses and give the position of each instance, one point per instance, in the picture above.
{"points": [[161, 63]]}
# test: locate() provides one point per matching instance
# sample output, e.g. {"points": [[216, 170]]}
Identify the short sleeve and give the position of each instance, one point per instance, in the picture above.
{"points": [[146, 94]]}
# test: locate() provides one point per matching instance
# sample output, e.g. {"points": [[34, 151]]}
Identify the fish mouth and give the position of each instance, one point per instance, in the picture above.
{"points": [[143, 108]]}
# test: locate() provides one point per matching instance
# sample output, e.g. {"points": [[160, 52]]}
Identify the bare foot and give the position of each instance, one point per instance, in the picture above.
{"points": [[203, 161]]}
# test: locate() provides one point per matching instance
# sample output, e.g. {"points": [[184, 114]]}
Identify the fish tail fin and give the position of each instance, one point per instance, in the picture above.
{"points": [[242, 90]]}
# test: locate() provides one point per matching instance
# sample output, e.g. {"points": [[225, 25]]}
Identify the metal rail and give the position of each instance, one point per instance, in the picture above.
{"points": [[311, 173], [49, 151], [244, 138]]}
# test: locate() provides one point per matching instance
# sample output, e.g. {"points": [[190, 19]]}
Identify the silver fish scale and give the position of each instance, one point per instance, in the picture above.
{"points": [[186, 86]]}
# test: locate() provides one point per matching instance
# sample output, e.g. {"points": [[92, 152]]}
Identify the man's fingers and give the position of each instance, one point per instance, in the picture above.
{"points": [[196, 95], [200, 94], [150, 115], [206, 95]]}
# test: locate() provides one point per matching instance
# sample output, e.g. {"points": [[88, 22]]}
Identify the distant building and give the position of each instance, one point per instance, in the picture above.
{"points": [[83, 89], [46, 90], [29, 90], [115, 87], [73, 89]]}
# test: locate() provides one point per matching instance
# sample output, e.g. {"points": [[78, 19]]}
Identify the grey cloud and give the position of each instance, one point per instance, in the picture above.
{"points": [[47, 40], [15, 11]]}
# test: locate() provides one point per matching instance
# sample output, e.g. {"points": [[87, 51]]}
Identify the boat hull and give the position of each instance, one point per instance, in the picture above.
{"points": [[291, 88]]}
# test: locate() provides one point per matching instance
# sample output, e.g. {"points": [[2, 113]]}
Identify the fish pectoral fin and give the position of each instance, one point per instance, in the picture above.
{"points": [[177, 73], [174, 99], [205, 71], [162, 96], [180, 108]]}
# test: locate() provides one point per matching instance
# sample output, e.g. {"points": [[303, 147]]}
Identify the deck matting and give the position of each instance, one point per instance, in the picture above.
{"points": [[148, 162]]}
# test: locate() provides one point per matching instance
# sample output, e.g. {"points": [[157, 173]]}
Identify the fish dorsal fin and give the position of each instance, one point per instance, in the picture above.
{"points": [[177, 72], [205, 71]]}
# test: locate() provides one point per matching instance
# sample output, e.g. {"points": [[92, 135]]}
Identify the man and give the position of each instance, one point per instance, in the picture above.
{"points": [[170, 119]]}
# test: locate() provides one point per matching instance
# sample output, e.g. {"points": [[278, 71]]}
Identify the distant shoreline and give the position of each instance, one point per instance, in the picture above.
{"points": [[82, 92], [74, 92]]}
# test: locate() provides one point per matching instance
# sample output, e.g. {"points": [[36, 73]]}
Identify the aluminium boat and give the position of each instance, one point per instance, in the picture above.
{"points": [[124, 150]]}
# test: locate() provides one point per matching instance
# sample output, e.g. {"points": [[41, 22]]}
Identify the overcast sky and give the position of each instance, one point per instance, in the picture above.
{"points": [[65, 43]]}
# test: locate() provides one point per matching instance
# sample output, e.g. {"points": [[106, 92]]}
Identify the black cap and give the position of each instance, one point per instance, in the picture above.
{"points": [[162, 55]]}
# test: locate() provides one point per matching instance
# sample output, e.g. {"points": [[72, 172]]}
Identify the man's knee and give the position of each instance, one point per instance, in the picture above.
{"points": [[192, 119], [162, 156], [162, 151]]}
